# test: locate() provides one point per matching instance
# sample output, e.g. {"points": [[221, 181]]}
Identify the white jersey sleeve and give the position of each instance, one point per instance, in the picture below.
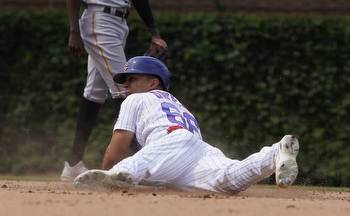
{"points": [[127, 119]]}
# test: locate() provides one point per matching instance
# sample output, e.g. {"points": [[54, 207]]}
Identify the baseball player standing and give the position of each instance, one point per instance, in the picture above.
{"points": [[101, 31], [172, 150]]}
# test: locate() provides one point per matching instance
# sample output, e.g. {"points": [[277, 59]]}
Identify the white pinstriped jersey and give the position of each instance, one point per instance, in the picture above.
{"points": [[150, 114], [112, 3]]}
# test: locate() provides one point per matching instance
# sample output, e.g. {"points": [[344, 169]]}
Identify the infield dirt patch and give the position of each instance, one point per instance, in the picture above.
{"points": [[33, 198]]}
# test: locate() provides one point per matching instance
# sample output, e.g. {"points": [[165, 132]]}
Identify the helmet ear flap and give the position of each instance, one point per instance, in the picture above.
{"points": [[159, 82], [119, 78]]}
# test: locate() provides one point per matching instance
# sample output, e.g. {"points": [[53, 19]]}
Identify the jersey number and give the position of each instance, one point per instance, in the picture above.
{"points": [[185, 119]]}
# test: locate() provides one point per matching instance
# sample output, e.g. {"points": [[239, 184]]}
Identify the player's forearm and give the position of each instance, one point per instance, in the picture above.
{"points": [[145, 12], [73, 7], [117, 149], [112, 158]]}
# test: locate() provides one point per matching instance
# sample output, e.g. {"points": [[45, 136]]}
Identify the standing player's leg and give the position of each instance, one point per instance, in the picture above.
{"points": [[95, 93], [104, 39]]}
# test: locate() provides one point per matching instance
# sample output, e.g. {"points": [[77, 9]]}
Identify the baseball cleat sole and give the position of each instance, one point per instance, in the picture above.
{"points": [[101, 178], [286, 164]]}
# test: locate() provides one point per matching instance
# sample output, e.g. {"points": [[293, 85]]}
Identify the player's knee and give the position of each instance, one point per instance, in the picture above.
{"points": [[98, 97]]}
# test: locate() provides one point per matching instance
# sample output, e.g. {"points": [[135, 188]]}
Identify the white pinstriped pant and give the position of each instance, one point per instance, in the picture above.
{"points": [[182, 160]]}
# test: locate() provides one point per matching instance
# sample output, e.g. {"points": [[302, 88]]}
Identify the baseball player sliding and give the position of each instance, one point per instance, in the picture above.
{"points": [[101, 31], [172, 150]]}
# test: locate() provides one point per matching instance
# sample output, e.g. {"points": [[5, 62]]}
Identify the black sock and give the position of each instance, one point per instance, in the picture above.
{"points": [[117, 103], [86, 121]]}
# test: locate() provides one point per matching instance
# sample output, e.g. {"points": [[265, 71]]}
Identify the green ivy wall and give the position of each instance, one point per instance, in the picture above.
{"points": [[249, 80]]}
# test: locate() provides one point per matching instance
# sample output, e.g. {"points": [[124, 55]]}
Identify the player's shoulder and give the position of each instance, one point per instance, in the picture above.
{"points": [[133, 97], [139, 97], [154, 95], [163, 94]]}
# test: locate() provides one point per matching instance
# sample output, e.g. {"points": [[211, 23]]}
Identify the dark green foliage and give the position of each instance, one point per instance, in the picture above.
{"points": [[248, 79]]}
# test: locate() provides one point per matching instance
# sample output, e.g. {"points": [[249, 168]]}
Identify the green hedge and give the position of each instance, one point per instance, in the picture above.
{"points": [[249, 80]]}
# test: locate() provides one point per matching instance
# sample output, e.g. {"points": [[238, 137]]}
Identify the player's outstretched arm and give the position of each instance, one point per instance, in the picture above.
{"points": [[117, 148]]}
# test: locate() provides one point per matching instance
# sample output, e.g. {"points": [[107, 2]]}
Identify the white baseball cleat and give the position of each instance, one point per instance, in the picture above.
{"points": [[102, 178], [69, 173], [286, 164]]}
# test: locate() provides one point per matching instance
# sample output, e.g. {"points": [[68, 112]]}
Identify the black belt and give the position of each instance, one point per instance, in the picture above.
{"points": [[110, 10], [117, 13]]}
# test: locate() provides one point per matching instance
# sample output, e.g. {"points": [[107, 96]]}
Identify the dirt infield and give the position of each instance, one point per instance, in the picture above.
{"points": [[29, 198]]}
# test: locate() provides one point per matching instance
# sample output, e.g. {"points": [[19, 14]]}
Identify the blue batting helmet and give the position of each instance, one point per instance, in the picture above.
{"points": [[144, 65]]}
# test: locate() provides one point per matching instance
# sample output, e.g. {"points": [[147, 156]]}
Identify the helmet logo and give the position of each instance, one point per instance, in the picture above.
{"points": [[125, 67]]}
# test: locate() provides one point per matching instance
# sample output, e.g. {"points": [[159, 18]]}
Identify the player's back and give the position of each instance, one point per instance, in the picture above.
{"points": [[156, 113]]}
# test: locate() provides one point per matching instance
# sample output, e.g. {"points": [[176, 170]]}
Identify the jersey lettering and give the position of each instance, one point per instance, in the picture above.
{"points": [[185, 119], [164, 95]]}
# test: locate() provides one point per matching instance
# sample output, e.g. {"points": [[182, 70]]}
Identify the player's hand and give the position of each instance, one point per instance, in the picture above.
{"points": [[75, 44], [158, 49], [122, 91]]}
